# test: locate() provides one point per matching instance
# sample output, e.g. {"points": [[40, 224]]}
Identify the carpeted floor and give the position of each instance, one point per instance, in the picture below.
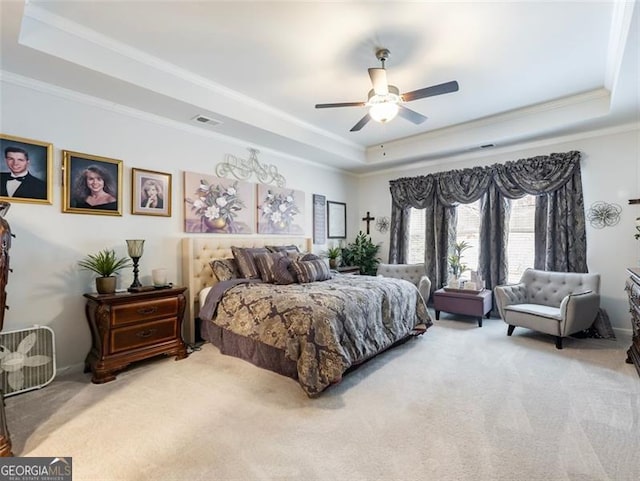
{"points": [[460, 403]]}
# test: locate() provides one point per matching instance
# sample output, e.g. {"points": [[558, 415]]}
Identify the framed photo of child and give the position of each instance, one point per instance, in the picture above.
{"points": [[26, 172], [150, 193]]}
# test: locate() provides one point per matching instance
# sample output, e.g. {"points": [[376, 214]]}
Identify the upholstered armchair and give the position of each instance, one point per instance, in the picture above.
{"points": [[556, 303], [414, 273]]}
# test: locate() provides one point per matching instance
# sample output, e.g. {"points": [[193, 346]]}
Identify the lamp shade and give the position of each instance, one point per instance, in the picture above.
{"points": [[135, 247]]}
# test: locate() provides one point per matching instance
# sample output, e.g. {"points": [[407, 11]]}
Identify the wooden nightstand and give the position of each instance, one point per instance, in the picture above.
{"points": [[348, 270], [128, 327]]}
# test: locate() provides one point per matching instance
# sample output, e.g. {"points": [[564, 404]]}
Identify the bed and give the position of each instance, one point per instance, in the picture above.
{"points": [[314, 332]]}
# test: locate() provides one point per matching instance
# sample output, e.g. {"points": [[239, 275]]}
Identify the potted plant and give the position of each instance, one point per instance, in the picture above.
{"points": [[362, 253], [105, 264], [333, 253], [455, 261]]}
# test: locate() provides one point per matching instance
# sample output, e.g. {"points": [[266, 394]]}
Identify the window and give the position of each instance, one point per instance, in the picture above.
{"points": [[468, 230], [416, 236], [520, 247]]}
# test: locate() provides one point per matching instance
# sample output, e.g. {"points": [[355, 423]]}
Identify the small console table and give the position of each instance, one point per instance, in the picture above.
{"points": [[476, 304], [131, 326]]}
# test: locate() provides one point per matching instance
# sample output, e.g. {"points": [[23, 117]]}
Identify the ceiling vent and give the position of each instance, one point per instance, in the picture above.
{"points": [[203, 119], [487, 146]]}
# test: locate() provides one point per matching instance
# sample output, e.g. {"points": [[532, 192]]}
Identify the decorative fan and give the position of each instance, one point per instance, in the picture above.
{"points": [[385, 101]]}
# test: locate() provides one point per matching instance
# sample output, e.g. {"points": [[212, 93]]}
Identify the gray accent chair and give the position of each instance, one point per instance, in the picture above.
{"points": [[556, 303], [414, 273]]}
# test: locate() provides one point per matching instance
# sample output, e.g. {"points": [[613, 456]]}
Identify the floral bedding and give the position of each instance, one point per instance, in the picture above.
{"points": [[325, 327]]}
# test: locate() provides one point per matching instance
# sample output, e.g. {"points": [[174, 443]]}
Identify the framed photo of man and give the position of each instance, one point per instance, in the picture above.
{"points": [[26, 172], [150, 193], [91, 184]]}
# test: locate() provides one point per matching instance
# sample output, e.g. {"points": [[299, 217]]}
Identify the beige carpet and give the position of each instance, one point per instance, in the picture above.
{"points": [[460, 403]]}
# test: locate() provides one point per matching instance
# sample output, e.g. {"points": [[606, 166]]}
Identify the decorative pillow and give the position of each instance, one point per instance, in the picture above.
{"points": [[311, 270], [224, 269], [246, 264], [282, 272], [266, 264], [309, 256], [287, 249]]}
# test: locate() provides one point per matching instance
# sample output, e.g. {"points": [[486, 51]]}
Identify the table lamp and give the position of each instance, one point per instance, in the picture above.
{"points": [[135, 248]]}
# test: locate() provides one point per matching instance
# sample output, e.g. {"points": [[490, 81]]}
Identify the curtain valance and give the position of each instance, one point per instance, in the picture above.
{"points": [[514, 179]]}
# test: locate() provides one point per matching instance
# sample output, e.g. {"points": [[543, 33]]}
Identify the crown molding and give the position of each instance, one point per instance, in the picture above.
{"points": [[96, 102]]}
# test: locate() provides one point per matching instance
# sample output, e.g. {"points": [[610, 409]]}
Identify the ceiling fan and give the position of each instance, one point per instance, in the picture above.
{"points": [[385, 101]]}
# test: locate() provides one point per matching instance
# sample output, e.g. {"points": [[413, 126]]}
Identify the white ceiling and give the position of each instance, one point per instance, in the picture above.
{"points": [[527, 70]]}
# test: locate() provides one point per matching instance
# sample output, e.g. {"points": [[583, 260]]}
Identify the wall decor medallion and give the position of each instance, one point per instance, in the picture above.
{"points": [[382, 224], [603, 214], [242, 169]]}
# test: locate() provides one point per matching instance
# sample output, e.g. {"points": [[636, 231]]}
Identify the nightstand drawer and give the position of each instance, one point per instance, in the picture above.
{"points": [[141, 335], [142, 311]]}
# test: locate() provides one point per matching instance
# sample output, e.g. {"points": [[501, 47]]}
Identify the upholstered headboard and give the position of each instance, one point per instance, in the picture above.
{"points": [[197, 252]]}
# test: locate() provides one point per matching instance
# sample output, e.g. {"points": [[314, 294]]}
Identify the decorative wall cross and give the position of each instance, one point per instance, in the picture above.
{"points": [[368, 219]]}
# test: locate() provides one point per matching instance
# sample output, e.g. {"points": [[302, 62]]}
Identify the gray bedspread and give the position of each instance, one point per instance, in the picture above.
{"points": [[325, 327]]}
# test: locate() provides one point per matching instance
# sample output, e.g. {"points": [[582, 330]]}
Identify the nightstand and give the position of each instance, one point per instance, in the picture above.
{"points": [[349, 270], [131, 326]]}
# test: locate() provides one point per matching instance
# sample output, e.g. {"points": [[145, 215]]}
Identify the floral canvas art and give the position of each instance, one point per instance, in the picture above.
{"points": [[280, 211], [217, 205]]}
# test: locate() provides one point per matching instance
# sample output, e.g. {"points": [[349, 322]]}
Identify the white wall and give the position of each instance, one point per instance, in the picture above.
{"points": [[609, 173], [46, 285]]}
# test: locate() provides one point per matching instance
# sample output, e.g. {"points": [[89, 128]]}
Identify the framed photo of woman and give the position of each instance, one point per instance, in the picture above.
{"points": [[26, 172], [91, 184], [150, 193]]}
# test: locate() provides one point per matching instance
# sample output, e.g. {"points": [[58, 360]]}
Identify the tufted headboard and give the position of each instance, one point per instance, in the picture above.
{"points": [[197, 252]]}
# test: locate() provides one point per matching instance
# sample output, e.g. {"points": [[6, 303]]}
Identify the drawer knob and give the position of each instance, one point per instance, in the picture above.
{"points": [[147, 310], [147, 333]]}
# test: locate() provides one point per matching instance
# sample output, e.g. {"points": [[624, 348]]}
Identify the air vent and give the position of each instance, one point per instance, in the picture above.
{"points": [[487, 146], [203, 119]]}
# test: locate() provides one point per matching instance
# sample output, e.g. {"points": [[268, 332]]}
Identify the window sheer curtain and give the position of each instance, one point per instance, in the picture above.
{"points": [[560, 232]]}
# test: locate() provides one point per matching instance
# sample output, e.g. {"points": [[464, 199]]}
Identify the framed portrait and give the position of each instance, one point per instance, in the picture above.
{"points": [[216, 205], [150, 193], [91, 184], [336, 220], [26, 172], [280, 210]]}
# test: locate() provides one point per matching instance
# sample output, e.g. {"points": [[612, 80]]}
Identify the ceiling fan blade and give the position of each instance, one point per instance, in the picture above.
{"points": [[343, 104], [361, 123], [379, 81], [411, 115], [440, 89]]}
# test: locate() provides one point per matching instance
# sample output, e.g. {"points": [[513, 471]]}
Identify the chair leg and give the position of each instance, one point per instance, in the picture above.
{"points": [[558, 342], [510, 330]]}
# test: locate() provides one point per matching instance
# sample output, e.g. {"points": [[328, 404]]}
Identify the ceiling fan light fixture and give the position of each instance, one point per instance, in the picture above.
{"points": [[383, 108], [383, 112]]}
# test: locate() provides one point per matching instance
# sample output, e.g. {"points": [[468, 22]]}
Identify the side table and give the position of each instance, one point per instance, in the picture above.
{"points": [[460, 302], [131, 326], [348, 270]]}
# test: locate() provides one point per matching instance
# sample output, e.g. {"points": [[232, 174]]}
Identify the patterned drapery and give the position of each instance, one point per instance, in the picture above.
{"points": [[560, 232]]}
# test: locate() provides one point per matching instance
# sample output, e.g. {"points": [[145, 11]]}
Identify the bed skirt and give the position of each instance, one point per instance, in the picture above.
{"points": [[256, 352], [269, 357]]}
